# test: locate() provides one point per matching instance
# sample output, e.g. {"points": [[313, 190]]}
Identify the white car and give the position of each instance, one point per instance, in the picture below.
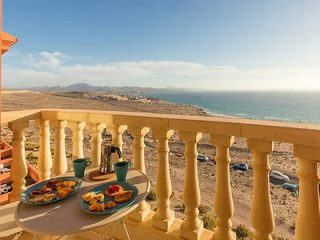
{"points": [[202, 158], [279, 176]]}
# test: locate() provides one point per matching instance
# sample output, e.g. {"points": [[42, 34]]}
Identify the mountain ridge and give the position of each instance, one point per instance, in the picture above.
{"points": [[85, 87]]}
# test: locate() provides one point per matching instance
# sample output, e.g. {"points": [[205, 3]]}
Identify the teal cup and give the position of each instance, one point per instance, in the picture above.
{"points": [[121, 170], [79, 166]]}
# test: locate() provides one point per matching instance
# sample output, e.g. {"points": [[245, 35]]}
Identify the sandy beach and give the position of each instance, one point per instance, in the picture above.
{"points": [[284, 202]]}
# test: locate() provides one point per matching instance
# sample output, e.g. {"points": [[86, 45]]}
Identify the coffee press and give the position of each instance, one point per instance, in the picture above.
{"points": [[108, 158]]}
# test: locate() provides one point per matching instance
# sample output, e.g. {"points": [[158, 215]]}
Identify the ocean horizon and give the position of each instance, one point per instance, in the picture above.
{"points": [[272, 105]]}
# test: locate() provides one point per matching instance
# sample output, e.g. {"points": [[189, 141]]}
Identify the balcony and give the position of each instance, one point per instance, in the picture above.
{"points": [[162, 224]]}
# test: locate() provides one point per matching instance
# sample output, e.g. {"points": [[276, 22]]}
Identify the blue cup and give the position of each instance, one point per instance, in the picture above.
{"points": [[121, 169], [79, 166]]}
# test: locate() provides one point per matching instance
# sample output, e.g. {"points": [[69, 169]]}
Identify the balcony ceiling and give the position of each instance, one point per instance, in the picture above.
{"points": [[7, 41]]}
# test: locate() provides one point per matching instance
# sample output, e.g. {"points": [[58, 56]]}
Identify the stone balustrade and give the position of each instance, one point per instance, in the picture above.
{"points": [[260, 136], [60, 165]]}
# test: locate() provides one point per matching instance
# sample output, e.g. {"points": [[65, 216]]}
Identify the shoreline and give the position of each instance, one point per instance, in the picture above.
{"points": [[239, 106], [141, 99]]}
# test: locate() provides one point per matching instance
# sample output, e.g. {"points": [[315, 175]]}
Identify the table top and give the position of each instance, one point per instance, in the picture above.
{"points": [[67, 217]]}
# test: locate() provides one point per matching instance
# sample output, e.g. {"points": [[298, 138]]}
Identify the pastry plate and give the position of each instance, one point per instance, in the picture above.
{"points": [[101, 188], [25, 196]]}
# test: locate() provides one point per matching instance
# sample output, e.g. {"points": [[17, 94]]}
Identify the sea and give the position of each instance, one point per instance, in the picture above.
{"points": [[284, 106]]}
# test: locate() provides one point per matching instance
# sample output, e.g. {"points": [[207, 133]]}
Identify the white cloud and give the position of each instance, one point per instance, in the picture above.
{"points": [[51, 69], [45, 59], [103, 72], [166, 67]]}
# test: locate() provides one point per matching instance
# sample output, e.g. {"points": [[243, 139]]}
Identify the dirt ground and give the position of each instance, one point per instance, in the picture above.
{"points": [[284, 202]]}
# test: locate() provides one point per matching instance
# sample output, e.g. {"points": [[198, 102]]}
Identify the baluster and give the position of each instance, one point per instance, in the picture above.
{"points": [[96, 140], [45, 159], [261, 212], [308, 217], [60, 165], [77, 139], [223, 203], [138, 133], [164, 216], [18, 166], [191, 227], [117, 131]]}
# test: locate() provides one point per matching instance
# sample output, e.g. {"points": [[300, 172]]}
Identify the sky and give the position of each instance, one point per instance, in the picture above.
{"points": [[197, 44]]}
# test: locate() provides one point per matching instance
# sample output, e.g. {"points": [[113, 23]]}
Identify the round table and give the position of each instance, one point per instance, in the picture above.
{"points": [[66, 217]]}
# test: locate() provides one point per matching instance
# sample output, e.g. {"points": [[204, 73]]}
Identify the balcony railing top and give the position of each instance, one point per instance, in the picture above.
{"points": [[295, 133]]}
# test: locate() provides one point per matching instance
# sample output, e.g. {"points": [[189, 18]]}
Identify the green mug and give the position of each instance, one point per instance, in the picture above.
{"points": [[121, 170], [79, 165]]}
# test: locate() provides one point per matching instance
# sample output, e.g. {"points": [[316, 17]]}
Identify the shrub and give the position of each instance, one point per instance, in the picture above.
{"points": [[242, 232], [31, 146], [30, 156], [204, 209], [152, 195], [209, 221]]}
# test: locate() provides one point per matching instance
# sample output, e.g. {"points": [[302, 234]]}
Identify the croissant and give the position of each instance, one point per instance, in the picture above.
{"points": [[92, 201], [96, 207], [62, 193], [123, 196], [69, 183], [67, 189], [89, 196], [100, 196]]}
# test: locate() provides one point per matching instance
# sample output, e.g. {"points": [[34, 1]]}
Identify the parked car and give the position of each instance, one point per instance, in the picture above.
{"points": [[240, 166], [279, 176], [291, 187], [5, 188], [202, 158]]}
